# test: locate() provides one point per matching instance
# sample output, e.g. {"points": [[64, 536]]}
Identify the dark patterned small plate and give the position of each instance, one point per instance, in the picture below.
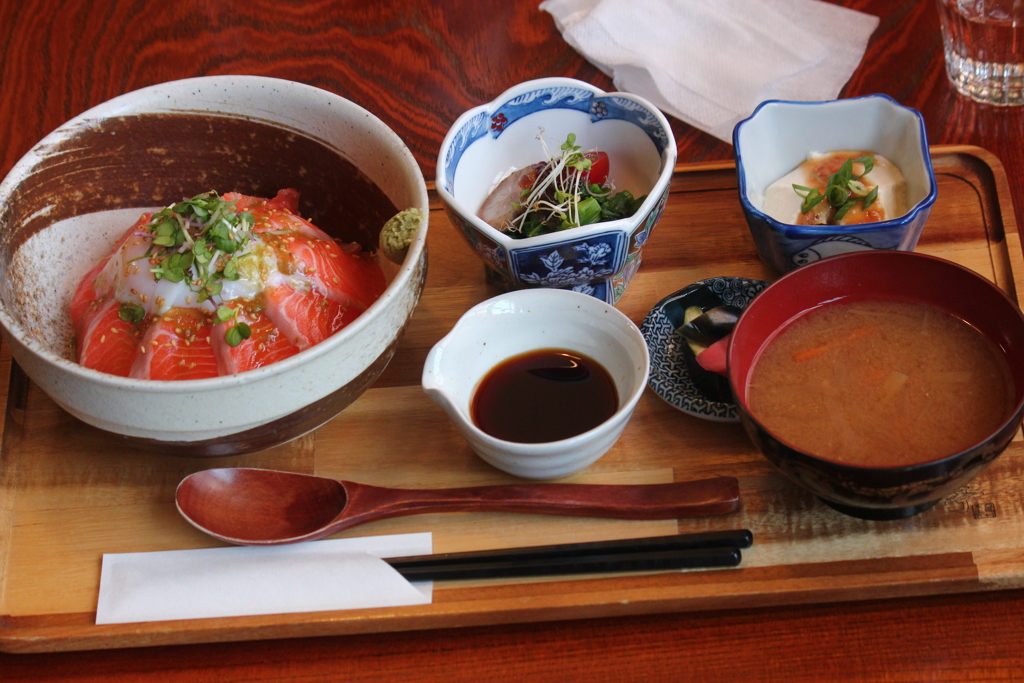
{"points": [[670, 375]]}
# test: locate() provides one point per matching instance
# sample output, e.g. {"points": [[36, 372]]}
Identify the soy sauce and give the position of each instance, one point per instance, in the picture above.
{"points": [[544, 395]]}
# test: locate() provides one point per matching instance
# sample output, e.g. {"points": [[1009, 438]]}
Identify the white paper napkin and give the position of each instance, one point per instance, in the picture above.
{"points": [[711, 62], [242, 581]]}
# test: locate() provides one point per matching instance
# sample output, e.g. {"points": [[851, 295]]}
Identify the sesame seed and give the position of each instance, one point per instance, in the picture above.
{"points": [[142, 348], [103, 338]]}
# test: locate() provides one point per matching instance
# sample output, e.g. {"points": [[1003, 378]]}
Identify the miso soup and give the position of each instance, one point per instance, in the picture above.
{"points": [[880, 384]]}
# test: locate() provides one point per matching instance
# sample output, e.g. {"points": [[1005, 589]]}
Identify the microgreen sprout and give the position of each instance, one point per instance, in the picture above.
{"points": [[198, 241], [237, 332], [842, 190], [561, 196]]}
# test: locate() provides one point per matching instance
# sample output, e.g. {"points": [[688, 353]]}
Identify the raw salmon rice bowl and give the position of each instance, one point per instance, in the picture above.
{"points": [[217, 285]]}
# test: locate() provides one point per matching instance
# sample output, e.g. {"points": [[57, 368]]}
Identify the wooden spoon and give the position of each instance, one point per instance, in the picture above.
{"points": [[264, 507]]}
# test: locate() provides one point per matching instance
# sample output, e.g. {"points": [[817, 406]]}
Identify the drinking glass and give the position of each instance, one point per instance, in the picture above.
{"points": [[984, 46]]}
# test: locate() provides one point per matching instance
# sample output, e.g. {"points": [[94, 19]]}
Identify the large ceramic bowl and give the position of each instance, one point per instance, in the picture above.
{"points": [[487, 141], [64, 203], [778, 136], [879, 492], [528, 320]]}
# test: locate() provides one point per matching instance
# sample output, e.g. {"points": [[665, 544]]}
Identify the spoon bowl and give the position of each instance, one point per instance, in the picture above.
{"points": [[248, 506]]}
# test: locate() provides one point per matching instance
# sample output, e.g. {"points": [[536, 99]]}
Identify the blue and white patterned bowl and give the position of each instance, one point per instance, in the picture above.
{"points": [[779, 135], [670, 376], [487, 141]]}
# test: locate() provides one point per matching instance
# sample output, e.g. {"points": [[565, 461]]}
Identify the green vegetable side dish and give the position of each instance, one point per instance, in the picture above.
{"points": [[569, 190], [843, 189]]}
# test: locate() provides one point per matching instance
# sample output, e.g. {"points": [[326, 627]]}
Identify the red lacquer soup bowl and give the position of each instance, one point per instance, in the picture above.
{"points": [[879, 492]]}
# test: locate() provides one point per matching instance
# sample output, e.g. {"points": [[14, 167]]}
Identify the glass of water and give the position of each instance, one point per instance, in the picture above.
{"points": [[984, 46]]}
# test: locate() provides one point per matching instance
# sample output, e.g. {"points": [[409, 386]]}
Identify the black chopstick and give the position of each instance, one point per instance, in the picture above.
{"points": [[584, 564], [740, 538], [709, 549]]}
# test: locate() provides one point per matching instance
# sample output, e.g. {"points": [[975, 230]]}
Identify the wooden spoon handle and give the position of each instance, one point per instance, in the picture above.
{"points": [[714, 496]]}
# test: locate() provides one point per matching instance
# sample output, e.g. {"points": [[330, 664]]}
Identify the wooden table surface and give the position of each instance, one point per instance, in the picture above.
{"points": [[418, 64]]}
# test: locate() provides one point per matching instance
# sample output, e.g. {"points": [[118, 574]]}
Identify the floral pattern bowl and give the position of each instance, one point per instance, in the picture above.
{"points": [[779, 135], [673, 374], [488, 141]]}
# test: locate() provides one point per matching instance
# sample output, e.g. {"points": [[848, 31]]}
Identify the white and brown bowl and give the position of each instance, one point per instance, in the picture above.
{"points": [[64, 203]]}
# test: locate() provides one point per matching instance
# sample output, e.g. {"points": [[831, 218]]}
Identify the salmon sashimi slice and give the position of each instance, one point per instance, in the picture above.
{"points": [[286, 200], [107, 343], [92, 290], [277, 215], [306, 317], [265, 345], [346, 277], [176, 346], [173, 271], [343, 274], [272, 219]]}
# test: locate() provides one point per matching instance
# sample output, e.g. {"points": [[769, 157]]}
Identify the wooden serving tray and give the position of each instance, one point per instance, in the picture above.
{"points": [[69, 493]]}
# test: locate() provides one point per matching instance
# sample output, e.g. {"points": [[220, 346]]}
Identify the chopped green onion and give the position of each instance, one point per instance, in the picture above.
{"points": [[841, 211], [842, 190], [869, 164], [857, 188], [870, 198], [589, 211], [812, 197]]}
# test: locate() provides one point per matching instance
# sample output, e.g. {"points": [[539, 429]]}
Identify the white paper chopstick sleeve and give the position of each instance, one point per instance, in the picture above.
{"points": [[244, 581]]}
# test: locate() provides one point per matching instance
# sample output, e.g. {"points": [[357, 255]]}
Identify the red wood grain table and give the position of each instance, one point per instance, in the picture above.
{"points": [[418, 64]]}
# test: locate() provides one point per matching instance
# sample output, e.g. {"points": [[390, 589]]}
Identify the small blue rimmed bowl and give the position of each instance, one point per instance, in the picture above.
{"points": [[780, 135], [675, 375], [487, 141]]}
